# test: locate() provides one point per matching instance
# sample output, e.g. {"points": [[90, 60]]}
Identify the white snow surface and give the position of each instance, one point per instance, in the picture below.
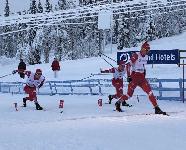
{"points": [[83, 124]]}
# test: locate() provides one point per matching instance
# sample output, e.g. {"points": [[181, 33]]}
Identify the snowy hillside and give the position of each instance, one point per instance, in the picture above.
{"points": [[83, 124], [74, 70]]}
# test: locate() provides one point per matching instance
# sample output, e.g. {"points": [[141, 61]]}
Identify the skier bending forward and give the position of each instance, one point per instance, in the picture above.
{"points": [[34, 80]]}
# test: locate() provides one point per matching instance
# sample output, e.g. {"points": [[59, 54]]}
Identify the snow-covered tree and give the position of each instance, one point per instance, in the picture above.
{"points": [[33, 7], [62, 4], [48, 6], [40, 7], [7, 9], [8, 42]]}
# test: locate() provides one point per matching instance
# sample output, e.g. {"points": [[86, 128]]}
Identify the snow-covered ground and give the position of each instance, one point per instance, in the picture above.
{"points": [[85, 125]]}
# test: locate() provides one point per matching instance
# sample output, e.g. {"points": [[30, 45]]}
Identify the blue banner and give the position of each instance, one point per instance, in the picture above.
{"points": [[154, 56]]}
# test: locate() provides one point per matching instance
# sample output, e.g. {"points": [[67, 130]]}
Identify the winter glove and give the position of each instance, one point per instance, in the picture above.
{"points": [[129, 79], [14, 71]]}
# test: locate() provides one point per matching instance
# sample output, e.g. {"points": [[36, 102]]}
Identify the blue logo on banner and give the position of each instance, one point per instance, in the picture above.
{"points": [[154, 56]]}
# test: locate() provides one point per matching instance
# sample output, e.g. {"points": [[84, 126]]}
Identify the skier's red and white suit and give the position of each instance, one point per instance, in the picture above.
{"points": [[136, 70], [31, 84], [117, 80]]}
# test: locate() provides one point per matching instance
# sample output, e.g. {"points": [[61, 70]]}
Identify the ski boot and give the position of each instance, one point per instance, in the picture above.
{"points": [[38, 107], [24, 102], [110, 98], [118, 108], [125, 104], [159, 111]]}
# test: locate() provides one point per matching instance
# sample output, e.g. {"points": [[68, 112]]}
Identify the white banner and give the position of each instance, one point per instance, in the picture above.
{"points": [[104, 19]]}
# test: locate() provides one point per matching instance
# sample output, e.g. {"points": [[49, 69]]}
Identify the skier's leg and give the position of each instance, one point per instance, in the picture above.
{"points": [[38, 107], [24, 102], [27, 91], [117, 86], [130, 91], [123, 98], [146, 87], [31, 96], [119, 90]]}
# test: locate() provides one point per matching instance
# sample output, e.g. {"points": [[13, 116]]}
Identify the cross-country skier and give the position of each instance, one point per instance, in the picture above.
{"points": [[136, 77], [34, 81], [117, 81]]}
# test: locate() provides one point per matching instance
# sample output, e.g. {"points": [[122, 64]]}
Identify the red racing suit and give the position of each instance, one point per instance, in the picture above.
{"points": [[136, 70], [31, 84], [117, 80]]}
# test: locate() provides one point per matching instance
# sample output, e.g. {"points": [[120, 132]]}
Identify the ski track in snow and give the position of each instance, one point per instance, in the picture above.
{"points": [[14, 118]]}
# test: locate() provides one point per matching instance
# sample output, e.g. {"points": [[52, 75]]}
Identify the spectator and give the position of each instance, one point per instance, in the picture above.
{"points": [[21, 68], [55, 67]]}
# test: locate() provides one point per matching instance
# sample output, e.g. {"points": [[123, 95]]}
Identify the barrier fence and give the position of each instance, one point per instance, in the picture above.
{"points": [[182, 56], [164, 89]]}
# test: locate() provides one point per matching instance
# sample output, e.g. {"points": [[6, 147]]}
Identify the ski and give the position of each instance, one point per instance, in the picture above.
{"points": [[118, 111], [149, 114], [128, 105], [32, 108], [125, 105]]}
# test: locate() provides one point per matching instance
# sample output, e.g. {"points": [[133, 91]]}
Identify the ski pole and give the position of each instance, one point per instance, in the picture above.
{"points": [[108, 62], [91, 75], [138, 98], [100, 74], [100, 53], [6, 75]]}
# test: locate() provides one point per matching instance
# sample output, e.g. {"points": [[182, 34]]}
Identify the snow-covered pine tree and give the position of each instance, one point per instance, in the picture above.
{"points": [[48, 6], [46, 52], [8, 42], [33, 7], [62, 4], [22, 41], [40, 7], [7, 9]]}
